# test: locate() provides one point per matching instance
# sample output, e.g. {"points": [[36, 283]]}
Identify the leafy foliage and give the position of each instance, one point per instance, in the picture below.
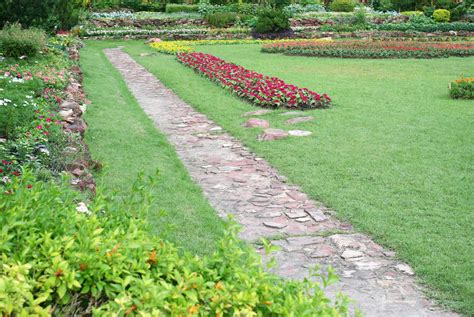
{"points": [[16, 42], [342, 5], [441, 15], [47, 14], [173, 7], [272, 21], [58, 257], [221, 19], [462, 88]]}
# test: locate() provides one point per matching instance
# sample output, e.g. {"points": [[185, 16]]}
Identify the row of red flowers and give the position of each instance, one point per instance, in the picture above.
{"points": [[263, 91], [372, 49]]}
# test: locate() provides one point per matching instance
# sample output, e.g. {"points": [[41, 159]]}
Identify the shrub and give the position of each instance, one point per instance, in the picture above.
{"points": [[462, 88], [342, 5], [272, 21], [411, 13], [441, 15], [47, 14], [360, 15], [428, 11], [172, 7], [62, 258], [15, 42], [221, 19]]}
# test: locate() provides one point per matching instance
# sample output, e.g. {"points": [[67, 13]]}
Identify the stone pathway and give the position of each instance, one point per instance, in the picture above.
{"points": [[238, 182]]}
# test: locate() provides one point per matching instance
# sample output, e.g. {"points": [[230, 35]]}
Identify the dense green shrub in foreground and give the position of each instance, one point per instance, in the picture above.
{"points": [[15, 42], [61, 258]]}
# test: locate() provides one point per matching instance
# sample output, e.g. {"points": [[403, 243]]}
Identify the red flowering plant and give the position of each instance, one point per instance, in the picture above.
{"points": [[371, 49], [263, 91]]}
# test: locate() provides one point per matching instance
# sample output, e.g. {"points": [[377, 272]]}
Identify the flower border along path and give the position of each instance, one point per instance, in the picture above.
{"points": [[237, 182]]}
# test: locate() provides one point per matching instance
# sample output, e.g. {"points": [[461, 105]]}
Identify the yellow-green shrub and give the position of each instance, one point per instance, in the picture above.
{"points": [[441, 15], [56, 259]]}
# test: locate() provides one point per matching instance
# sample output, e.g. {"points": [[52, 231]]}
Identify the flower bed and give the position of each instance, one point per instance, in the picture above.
{"points": [[263, 91], [462, 88], [370, 49], [175, 47]]}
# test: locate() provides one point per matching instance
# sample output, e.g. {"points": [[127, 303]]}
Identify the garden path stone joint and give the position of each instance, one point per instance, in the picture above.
{"points": [[238, 182]]}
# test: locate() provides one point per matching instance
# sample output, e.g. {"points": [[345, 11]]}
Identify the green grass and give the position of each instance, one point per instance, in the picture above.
{"points": [[394, 156], [126, 141]]}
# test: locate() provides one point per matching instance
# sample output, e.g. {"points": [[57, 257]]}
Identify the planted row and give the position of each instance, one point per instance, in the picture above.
{"points": [[369, 49], [263, 91]]}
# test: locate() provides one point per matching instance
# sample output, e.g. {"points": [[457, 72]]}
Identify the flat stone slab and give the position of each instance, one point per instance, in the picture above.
{"points": [[236, 181], [272, 134], [256, 123], [299, 133], [299, 120], [257, 113], [291, 113]]}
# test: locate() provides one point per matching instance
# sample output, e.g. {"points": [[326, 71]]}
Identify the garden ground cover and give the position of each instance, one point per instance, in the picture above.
{"points": [[393, 156], [122, 138]]}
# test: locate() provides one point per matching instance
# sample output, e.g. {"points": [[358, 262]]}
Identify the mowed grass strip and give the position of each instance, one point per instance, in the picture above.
{"points": [[394, 156], [125, 140]]}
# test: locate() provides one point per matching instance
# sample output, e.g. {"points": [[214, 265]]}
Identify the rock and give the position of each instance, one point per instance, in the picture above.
{"points": [[256, 113], [316, 215], [389, 253], [404, 268], [290, 113], [299, 119], [275, 225], [215, 130], [323, 251], [66, 114], [299, 133], [269, 214], [304, 219], [368, 265], [351, 254], [68, 105], [256, 123], [296, 213], [343, 241], [305, 240], [272, 134]]}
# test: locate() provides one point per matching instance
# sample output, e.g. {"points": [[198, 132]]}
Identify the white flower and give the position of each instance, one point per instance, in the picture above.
{"points": [[82, 208]]}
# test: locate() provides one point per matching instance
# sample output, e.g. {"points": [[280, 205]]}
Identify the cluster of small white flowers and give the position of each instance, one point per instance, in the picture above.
{"points": [[113, 15], [5, 102]]}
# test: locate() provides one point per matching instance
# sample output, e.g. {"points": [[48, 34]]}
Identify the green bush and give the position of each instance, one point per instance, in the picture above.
{"points": [[342, 5], [221, 19], [47, 14], [272, 21], [441, 15], [411, 13], [172, 8], [462, 89], [62, 258], [15, 41]]}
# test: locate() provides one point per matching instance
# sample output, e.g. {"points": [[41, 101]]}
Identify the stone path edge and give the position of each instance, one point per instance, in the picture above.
{"points": [[236, 181]]}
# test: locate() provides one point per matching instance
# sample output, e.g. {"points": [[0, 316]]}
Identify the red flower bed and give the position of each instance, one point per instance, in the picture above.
{"points": [[372, 49], [263, 91]]}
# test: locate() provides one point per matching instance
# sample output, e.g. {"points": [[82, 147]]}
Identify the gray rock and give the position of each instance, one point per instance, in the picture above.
{"points": [[299, 133], [351, 254], [256, 113]]}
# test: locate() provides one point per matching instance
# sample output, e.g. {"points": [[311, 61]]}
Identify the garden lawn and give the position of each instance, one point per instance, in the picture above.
{"points": [[394, 156], [125, 140]]}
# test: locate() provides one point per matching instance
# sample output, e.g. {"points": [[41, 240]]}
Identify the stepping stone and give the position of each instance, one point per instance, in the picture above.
{"points": [[256, 113], [215, 130], [351, 254], [299, 133], [272, 134], [275, 225], [299, 119], [404, 268], [290, 113], [256, 123]]}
